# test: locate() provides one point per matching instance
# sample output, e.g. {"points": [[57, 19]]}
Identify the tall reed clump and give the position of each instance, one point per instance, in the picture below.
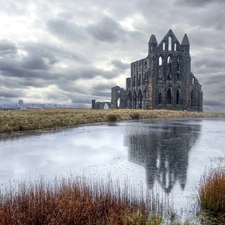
{"points": [[74, 201], [212, 196]]}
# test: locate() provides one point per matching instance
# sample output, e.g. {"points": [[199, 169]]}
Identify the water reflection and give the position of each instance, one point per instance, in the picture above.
{"points": [[163, 148]]}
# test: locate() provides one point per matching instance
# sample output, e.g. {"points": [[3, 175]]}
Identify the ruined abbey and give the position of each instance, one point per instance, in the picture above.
{"points": [[162, 80]]}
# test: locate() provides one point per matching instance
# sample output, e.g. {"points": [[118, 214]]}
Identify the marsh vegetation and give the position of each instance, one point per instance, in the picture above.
{"points": [[27, 120]]}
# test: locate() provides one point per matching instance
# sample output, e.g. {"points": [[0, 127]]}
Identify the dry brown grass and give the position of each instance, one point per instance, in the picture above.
{"points": [[74, 201], [212, 196], [27, 120]]}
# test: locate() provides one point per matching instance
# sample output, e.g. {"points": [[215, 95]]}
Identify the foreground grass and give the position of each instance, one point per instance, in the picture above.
{"points": [[27, 120], [76, 201], [212, 197]]}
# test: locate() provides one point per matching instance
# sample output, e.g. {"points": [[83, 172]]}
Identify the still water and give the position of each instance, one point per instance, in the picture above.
{"points": [[169, 156]]}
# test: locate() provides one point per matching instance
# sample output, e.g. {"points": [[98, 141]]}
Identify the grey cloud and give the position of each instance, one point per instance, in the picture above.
{"points": [[8, 93], [104, 86], [198, 3], [66, 30], [120, 65], [213, 103], [7, 48], [107, 30], [54, 53], [89, 72], [101, 93], [34, 62]]}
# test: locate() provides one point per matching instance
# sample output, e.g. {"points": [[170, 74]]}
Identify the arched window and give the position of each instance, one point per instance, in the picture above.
{"points": [[133, 81], [175, 47], [160, 61], [178, 97], [169, 96], [178, 64], [193, 80], [169, 68], [146, 65], [192, 98], [164, 46], [169, 43], [160, 98], [139, 105]]}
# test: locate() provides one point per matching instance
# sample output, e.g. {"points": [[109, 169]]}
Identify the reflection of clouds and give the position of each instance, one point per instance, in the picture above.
{"points": [[163, 149], [60, 152]]}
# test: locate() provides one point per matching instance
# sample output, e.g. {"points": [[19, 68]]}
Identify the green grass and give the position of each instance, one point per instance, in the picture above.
{"points": [[28, 120]]}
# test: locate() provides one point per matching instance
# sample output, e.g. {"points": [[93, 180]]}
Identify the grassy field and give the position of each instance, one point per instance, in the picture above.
{"points": [[28, 120]]}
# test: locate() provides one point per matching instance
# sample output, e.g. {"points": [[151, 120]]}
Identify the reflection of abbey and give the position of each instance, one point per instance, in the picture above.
{"points": [[162, 149], [162, 80]]}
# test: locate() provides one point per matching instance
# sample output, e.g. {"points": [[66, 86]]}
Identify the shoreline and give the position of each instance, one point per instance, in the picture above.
{"points": [[30, 122]]}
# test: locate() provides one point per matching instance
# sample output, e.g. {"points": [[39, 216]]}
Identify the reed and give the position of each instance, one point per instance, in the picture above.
{"points": [[75, 201], [212, 196]]}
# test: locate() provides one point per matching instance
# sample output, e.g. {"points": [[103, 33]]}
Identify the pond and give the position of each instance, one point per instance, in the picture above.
{"points": [[169, 156]]}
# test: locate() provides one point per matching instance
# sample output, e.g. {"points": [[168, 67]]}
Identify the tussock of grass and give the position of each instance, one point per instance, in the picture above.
{"points": [[212, 196], [112, 117], [26, 120], [74, 201]]}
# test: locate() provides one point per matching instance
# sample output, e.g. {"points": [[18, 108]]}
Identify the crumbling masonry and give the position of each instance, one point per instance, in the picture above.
{"points": [[162, 80]]}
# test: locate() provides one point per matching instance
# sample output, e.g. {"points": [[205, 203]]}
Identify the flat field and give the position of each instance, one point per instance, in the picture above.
{"points": [[40, 119]]}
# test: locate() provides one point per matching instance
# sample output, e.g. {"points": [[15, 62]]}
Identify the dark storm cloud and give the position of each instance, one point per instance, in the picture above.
{"points": [[107, 30], [7, 48], [120, 65], [66, 30], [34, 62]]}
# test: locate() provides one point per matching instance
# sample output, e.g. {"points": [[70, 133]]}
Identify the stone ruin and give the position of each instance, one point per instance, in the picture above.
{"points": [[162, 80]]}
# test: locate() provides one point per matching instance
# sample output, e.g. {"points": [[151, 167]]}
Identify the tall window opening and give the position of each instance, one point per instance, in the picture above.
{"points": [[175, 47], [133, 81], [160, 61], [164, 46], [169, 43], [192, 98], [160, 98], [178, 97], [169, 96], [169, 68]]}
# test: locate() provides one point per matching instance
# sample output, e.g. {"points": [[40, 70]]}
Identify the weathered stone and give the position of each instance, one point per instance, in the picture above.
{"points": [[162, 80]]}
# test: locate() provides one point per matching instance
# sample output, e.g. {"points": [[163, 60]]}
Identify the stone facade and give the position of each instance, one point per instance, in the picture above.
{"points": [[162, 80]]}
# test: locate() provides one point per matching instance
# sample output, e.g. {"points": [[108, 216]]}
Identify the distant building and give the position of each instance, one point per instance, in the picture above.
{"points": [[20, 102]]}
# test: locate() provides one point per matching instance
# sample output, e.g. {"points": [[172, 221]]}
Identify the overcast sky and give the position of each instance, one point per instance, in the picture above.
{"points": [[73, 51]]}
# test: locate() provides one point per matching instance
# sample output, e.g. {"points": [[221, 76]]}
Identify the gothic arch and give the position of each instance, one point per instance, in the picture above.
{"points": [[178, 96], [169, 96], [169, 62], [134, 100], [160, 96], [170, 41], [139, 100], [192, 98], [129, 100], [160, 60]]}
